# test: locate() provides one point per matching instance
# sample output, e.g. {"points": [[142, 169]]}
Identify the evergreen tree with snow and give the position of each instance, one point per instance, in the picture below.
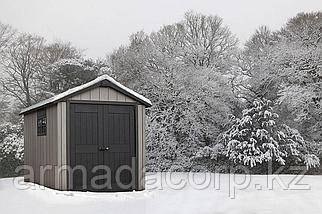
{"points": [[11, 148], [257, 137]]}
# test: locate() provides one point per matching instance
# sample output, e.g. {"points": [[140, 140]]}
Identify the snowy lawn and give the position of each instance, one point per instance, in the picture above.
{"points": [[188, 196]]}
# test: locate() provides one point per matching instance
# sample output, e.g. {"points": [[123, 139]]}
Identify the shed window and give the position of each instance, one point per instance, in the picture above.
{"points": [[41, 123]]}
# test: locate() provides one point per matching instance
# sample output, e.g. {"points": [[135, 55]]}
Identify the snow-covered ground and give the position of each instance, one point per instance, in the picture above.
{"points": [[177, 194]]}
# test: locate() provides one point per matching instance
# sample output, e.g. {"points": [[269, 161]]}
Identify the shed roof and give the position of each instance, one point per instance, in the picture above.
{"points": [[103, 80]]}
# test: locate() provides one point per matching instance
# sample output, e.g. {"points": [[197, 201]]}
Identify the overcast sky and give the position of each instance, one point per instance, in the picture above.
{"points": [[100, 26]]}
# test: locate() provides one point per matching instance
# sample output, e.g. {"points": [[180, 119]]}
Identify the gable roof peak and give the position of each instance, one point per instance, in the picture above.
{"points": [[116, 85]]}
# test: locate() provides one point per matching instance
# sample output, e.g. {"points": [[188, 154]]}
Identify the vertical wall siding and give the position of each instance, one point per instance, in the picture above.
{"points": [[103, 94], [61, 178], [141, 146], [27, 140], [40, 151]]}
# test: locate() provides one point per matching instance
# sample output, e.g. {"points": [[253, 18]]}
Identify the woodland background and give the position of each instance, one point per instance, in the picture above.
{"points": [[216, 102]]}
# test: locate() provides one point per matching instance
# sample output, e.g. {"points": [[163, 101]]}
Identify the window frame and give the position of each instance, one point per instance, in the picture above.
{"points": [[42, 122]]}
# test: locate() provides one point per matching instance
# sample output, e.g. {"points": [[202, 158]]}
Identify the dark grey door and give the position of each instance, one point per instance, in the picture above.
{"points": [[102, 136]]}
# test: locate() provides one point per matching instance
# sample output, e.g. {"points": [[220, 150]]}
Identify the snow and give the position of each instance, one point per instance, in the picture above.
{"points": [[256, 198], [87, 85]]}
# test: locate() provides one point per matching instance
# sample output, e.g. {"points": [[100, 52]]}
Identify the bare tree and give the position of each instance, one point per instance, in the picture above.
{"points": [[6, 35], [61, 50], [207, 40], [22, 61]]}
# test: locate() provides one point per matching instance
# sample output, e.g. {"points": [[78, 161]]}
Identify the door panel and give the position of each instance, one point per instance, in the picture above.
{"points": [[102, 135], [120, 139], [84, 140]]}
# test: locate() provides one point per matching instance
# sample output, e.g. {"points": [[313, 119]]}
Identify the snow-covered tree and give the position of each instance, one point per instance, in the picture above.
{"points": [[67, 73], [182, 68], [257, 137], [285, 66], [21, 62], [7, 34], [28, 64], [11, 148], [12, 144], [11, 140]]}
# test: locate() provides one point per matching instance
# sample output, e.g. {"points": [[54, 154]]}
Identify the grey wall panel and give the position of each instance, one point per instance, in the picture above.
{"points": [[102, 94], [54, 146], [95, 94], [41, 150], [141, 145], [61, 175], [27, 140], [64, 146]]}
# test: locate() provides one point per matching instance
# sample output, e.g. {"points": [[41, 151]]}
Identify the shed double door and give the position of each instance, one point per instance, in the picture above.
{"points": [[102, 139]]}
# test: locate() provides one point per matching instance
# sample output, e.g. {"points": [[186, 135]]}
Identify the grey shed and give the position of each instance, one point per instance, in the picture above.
{"points": [[98, 124]]}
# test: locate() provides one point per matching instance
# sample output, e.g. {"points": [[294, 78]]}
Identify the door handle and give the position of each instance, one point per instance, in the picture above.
{"points": [[102, 149]]}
